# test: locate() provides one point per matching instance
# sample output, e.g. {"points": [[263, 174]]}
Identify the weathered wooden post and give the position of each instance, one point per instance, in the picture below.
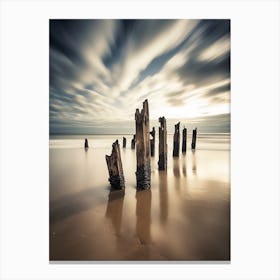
{"points": [[162, 144], [176, 140], [124, 142], [86, 143], [114, 164], [184, 143], [143, 171], [152, 141], [194, 138], [133, 142]]}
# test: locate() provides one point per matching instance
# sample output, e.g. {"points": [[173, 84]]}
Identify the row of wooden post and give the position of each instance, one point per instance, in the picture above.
{"points": [[176, 140], [145, 148], [162, 137]]}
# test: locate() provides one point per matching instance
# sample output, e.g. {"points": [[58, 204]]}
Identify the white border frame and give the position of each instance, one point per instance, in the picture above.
{"points": [[255, 138]]}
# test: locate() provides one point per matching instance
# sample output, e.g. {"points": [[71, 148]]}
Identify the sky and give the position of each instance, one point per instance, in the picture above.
{"points": [[102, 70]]}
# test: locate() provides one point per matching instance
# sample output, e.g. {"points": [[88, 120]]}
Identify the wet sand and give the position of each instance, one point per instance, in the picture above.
{"points": [[185, 215]]}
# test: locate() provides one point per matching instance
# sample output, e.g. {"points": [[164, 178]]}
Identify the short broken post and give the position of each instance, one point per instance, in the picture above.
{"points": [[124, 142], [184, 143], [162, 144], [114, 164], [133, 142], [194, 138], [86, 143], [143, 171], [152, 141], [176, 140]]}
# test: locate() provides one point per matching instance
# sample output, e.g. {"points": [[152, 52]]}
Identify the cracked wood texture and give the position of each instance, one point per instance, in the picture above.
{"points": [[114, 164], [124, 142], [194, 138], [162, 145], [184, 142], [152, 141], [176, 140], [133, 142], [143, 171]]}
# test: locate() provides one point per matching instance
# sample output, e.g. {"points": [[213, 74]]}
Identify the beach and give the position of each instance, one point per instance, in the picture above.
{"points": [[185, 216]]}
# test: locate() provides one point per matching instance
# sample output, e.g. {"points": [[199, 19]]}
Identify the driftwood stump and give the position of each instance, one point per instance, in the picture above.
{"points": [[133, 142], [184, 143], [124, 142], [86, 143], [194, 138], [176, 140], [114, 164], [143, 171], [162, 144], [152, 141]]}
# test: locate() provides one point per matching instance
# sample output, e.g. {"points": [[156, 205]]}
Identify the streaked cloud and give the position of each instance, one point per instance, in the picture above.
{"points": [[102, 70]]}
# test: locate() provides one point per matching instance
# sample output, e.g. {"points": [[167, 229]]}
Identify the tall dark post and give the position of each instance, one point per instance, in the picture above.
{"points": [[194, 138], [114, 164], [143, 158], [124, 142], [133, 142], [152, 141], [184, 143], [176, 140], [162, 144], [86, 143]]}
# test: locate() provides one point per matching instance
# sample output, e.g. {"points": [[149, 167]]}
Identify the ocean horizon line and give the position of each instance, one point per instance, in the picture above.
{"points": [[92, 134]]}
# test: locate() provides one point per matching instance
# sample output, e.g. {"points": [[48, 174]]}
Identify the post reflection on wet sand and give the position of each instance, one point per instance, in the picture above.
{"points": [[115, 208], [163, 196], [194, 167], [176, 167], [177, 174], [143, 216], [187, 220], [184, 168]]}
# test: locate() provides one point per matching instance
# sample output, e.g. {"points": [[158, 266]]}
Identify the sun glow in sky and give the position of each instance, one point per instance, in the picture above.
{"points": [[102, 70]]}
